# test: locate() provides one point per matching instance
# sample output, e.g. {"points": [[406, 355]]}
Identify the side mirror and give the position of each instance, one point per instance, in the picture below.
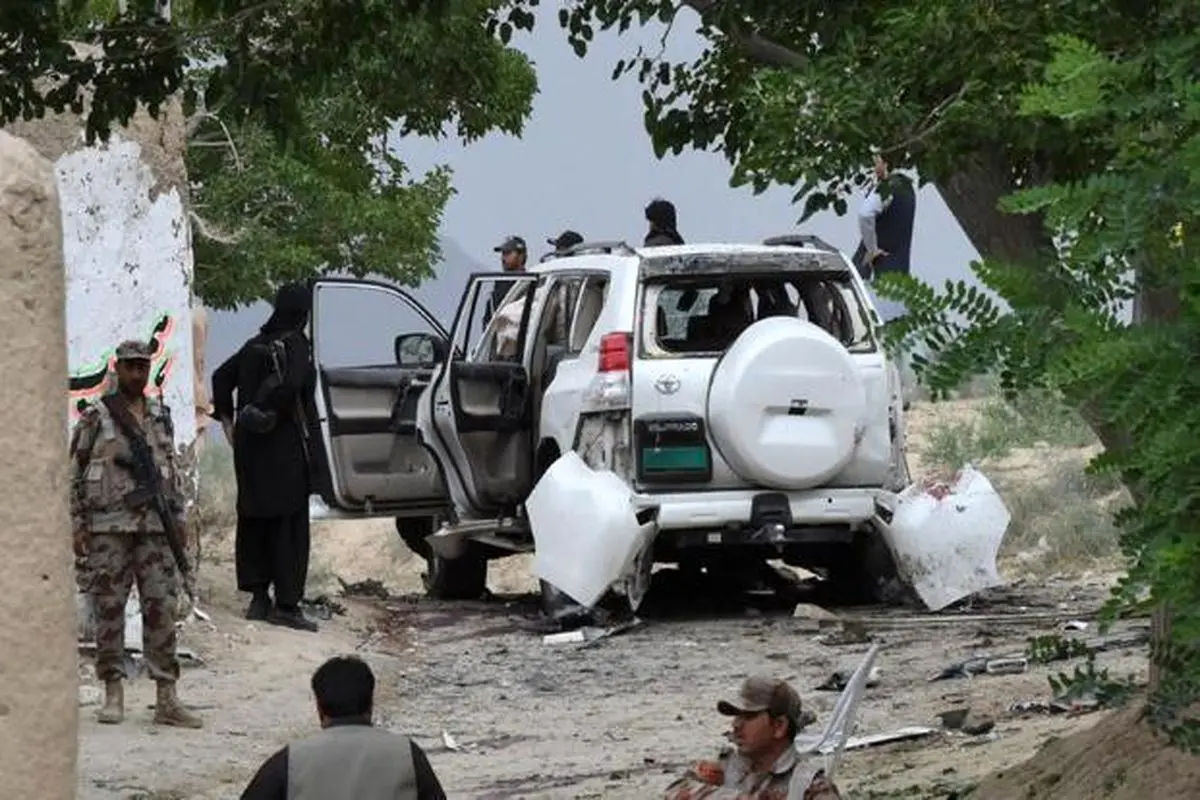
{"points": [[420, 349]]}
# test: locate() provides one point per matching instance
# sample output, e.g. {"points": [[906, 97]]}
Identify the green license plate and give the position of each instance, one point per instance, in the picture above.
{"points": [[675, 459]]}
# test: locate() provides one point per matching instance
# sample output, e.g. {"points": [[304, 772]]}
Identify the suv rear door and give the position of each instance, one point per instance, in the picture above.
{"points": [[684, 330], [368, 384], [479, 411]]}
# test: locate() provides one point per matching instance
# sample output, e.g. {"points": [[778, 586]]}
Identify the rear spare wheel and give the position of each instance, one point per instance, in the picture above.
{"points": [[786, 405]]}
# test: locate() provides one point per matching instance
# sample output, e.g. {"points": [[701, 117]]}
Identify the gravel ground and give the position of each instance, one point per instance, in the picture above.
{"points": [[614, 719]]}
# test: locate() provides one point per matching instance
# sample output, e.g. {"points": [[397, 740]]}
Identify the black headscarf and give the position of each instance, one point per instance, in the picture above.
{"points": [[293, 302]]}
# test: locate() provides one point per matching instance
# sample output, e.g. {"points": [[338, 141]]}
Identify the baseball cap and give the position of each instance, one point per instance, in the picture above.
{"points": [[511, 244], [567, 238], [759, 693], [134, 350]]}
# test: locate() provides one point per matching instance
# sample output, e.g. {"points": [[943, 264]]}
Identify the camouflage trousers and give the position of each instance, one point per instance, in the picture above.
{"points": [[114, 562]]}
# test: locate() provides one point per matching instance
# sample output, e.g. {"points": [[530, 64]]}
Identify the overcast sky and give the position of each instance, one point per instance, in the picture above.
{"points": [[585, 162]]}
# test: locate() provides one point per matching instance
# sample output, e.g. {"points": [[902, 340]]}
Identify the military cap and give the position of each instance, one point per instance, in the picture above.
{"points": [[759, 693], [134, 350], [511, 244]]}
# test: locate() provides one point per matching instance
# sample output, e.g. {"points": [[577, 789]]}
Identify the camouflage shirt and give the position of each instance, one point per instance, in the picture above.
{"points": [[730, 778], [99, 482]]}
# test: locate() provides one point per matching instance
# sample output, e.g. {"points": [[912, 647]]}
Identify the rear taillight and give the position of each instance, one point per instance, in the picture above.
{"points": [[615, 352]]}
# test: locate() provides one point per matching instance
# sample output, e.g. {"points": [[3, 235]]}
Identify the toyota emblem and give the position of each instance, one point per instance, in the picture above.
{"points": [[667, 384]]}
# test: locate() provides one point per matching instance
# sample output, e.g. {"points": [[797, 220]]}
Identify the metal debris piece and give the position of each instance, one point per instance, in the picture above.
{"points": [[898, 735], [590, 635], [449, 742], [984, 665]]}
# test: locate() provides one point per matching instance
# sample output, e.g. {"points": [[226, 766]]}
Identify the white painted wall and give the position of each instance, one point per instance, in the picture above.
{"points": [[128, 253]]}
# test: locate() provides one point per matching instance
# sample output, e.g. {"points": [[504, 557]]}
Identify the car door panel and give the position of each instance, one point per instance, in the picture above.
{"points": [[377, 463], [481, 407], [490, 397]]}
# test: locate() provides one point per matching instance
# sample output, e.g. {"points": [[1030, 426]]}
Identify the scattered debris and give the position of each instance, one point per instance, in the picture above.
{"points": [[984, 665], [590, 635], [816, 617], [898, 735], [323, 607], [839, 680], [449, 742], [367, 588], [1075, 625], [963, 719], [1069, 707]]}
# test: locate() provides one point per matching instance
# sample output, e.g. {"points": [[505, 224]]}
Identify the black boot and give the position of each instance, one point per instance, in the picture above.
{"points": [[291, 618], [260, 606]]}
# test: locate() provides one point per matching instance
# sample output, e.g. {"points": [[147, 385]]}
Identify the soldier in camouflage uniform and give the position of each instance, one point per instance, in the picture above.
{"points": [[764, 766], [120, 544]]}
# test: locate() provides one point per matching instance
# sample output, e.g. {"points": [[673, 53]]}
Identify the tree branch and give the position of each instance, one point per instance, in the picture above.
{"points": [[193, 125], [206, 230], [757, 47], [929, 125]]}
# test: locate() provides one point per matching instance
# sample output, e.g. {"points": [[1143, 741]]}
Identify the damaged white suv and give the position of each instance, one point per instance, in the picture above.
{"points": [[699, 404]]}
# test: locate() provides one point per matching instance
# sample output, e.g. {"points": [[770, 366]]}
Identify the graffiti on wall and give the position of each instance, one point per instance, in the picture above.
{"points": [[89, 382]]}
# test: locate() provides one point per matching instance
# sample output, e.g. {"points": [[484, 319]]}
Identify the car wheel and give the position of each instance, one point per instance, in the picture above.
{"points": [[866, 574], [414, 531], [462, 578]]}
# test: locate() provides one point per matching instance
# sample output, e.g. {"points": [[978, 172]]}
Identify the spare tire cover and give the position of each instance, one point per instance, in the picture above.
{"points": [[786, 404]]}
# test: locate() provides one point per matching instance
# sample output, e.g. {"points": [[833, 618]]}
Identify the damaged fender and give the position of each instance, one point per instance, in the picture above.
{"points": [[945, 536], [586, 532]]}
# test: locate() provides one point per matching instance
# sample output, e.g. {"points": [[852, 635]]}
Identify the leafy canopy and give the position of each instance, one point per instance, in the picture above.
{"points": [[797, 92], [1138, 207], [293, 112]]}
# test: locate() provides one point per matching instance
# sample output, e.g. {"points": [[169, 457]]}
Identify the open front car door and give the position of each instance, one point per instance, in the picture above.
{"points": [[376, 349], [480, 404]]}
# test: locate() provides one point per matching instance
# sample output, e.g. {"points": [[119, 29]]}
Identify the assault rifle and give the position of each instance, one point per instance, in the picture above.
{"points": [[150, 491]]}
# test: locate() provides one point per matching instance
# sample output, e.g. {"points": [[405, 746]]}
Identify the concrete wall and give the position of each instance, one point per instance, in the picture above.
{"points": [[127, 249], [38, 668]]}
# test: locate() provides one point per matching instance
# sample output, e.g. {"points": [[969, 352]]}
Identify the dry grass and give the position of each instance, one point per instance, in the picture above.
{"points": [[1035, 451], [216, 504]]}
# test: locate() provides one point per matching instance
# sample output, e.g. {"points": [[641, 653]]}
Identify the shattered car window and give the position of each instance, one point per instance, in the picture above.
{"points": [[705, 315]]}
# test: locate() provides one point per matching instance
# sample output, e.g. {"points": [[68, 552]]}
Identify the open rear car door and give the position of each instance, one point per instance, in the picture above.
{"points": [[375, 349], [480, 406]]}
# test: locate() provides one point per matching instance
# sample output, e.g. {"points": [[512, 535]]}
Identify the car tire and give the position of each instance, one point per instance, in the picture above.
{"points": [[866, 574], [462, 578], [414, 532]]}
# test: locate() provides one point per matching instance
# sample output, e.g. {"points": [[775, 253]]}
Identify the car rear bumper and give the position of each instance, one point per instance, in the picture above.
{"points": [[690, 511]]}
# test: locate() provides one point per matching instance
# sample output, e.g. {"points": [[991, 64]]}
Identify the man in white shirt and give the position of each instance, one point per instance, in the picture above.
{"points": [[885, 221]]}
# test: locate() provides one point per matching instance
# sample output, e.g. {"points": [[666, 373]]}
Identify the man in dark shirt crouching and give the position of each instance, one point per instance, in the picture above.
{"points": [[349, 759]]}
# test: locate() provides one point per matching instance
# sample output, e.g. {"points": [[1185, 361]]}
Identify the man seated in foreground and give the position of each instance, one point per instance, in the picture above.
{"points": [[764, 765], [349, 759]]}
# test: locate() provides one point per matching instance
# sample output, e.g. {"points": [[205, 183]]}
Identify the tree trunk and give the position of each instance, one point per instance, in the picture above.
{"points": [[973, 195]]}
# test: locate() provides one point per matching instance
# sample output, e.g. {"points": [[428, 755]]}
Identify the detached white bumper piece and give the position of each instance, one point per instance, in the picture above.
{"points": [[945, 537], [585, 530]]}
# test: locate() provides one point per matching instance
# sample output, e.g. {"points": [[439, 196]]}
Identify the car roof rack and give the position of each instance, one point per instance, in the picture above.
{"points": [[615, 246], [800, 240]]}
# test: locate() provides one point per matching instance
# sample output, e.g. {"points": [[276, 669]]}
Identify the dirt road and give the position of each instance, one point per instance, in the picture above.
{"points": [[613, 720]]}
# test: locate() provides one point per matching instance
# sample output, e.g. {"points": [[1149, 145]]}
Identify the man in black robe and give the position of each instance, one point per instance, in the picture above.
{"points": [[273, 431]]}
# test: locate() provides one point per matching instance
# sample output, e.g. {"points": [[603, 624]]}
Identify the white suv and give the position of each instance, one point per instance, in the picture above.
{"points": [[739, 392]]}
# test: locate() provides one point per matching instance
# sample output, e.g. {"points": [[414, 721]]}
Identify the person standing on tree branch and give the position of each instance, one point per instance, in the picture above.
{"points": [[120, 537], [885, 221], [272, 431]]}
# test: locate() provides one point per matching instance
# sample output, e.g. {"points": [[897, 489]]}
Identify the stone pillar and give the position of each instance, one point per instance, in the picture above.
{"points": [[38, 663]]}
